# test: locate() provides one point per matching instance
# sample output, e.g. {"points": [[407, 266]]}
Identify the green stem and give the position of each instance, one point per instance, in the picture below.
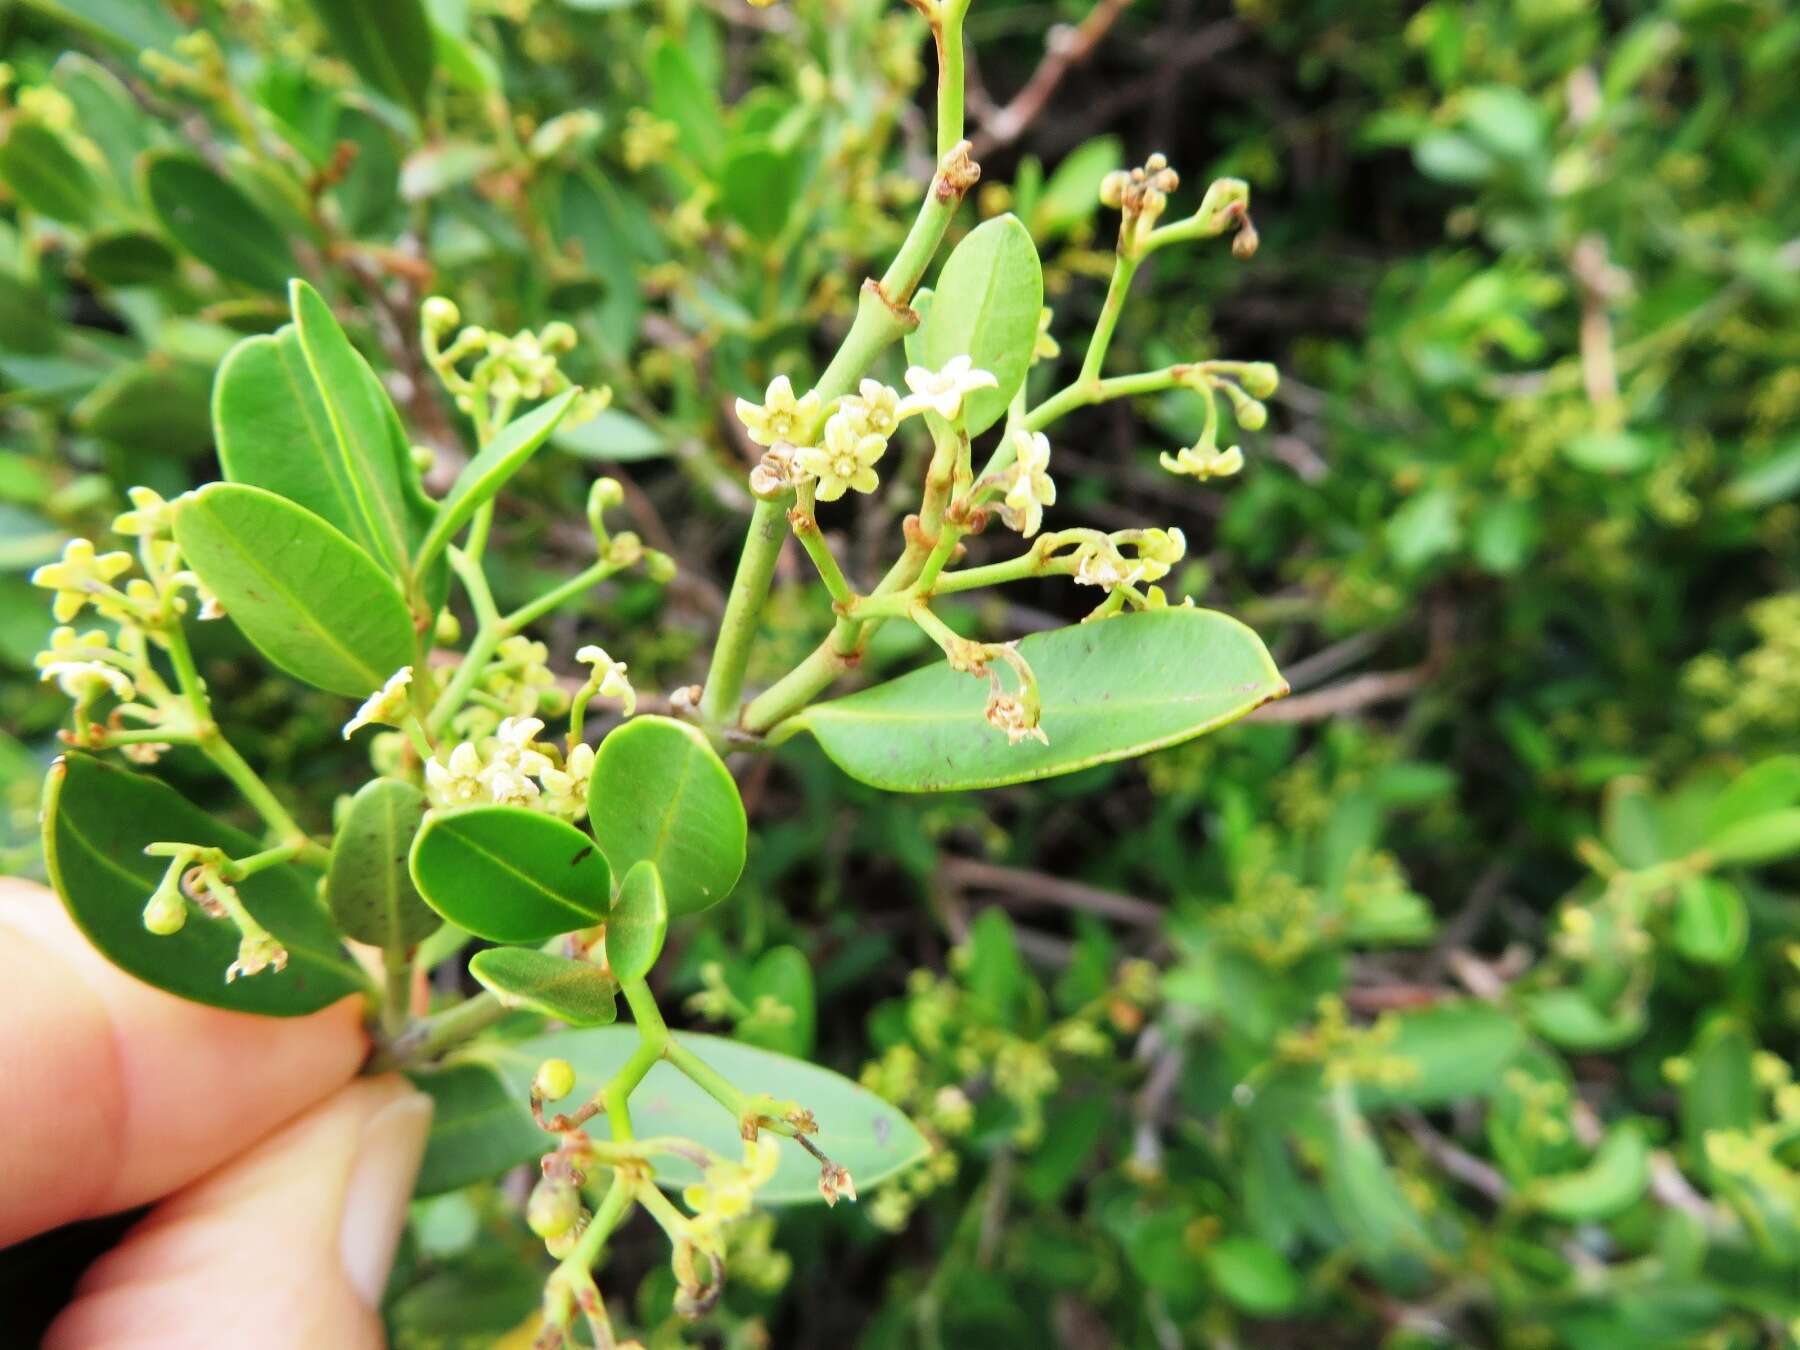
{"points": [[882, 318], [737, 629], [653, 1042], [584, 580], [396, 1002], [708, 1079], [439, 1033], [806, 530], [1081, 394], [1124, 269]]}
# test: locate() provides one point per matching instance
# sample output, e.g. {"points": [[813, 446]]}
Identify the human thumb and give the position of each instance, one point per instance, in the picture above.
{"points": [[289, 1244]]}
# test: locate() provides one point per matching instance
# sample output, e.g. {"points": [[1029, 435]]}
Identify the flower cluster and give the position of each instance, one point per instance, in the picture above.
{"points": [[507, 367], [838, 454]]}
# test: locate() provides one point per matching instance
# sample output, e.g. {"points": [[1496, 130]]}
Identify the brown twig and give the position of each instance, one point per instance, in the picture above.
{"points": [[1064, 48], [1019, 887], [1346, 697]]}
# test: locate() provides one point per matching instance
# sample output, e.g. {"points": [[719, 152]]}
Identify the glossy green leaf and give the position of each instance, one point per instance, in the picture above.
{"points": [[1767, 838], [577, 992], [659, 793], [510, 875], [479, 1129], [612, 436], [1566, 1017], [275, 430], [374, 460], [98, 820], [369, 886], [1253, 1275], [389, 43], [783, 977], [487, 473], [42, 172], [127, 258], [106, 112], [308, 599], [986, 305], [1112, 689], [857, 1129], [1072, 195], [1616, 1176], [1455, 1051], [216, 221], [1711, 924], [638, 923]]}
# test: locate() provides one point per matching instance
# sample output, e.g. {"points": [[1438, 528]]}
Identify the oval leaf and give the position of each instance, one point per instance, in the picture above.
{"points": [[389, 44], [1761, 839], [1617, 1176], [577, 992], [484, 475], [660, 794], [986, 305], [127, 258], [97, 821], [43, 172], [638, 923], [307, 598], [369, 886], [510, 875], [1457, 1051], [216, 222], [274, 430], [363, 433], [1111, 689], [1712, 924], [783, 975], [857, 1129]]}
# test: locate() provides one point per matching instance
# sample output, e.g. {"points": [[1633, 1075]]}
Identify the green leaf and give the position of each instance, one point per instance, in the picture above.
{"points": [[1458, 1051], [857, 1129], [577, 992], [1609, 451], [678, 94], [659, 793], [369, 192], [216, 221], [43, 172], [308, 599], [487, 473], [1072, 195], [612, 436], [758, 185], [1253, 1275], [986, 305], [127, 258], [783, 976], [1567, 1018], [1365, 1199], [275, 430], [638, 923], [1617, 1175], [98, 820], [1111, 689], [389, 44], [510, 875], [1769, 785], [478, 1128], [129, 25], [1718, 1090], [1761, 839], [373, 474], [369, 886], [1711, 923]]}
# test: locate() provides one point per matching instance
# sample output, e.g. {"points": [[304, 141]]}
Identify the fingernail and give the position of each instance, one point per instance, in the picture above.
{"points": [[381, 1184]]}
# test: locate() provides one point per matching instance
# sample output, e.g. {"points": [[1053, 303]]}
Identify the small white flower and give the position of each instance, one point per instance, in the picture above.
{"points": [[459, 782], [386, 706], [874, 409], [942, 391], [1008, 714], [149, 514], [1031, 489], [515, 761], [83, 680], [566, 789], [1202, 462], [1105, 567], [781, 416], [846, 459], [608, 678]]}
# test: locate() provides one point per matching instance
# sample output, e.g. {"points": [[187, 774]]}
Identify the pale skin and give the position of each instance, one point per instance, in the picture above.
{"points": [[279, 1180]]}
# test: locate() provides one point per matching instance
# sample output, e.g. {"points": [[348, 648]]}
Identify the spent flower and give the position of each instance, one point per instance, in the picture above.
{"points": [[386, 706]]}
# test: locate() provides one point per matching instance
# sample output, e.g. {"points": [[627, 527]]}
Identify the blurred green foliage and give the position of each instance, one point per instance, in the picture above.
{"points": [[1453, 1002]]}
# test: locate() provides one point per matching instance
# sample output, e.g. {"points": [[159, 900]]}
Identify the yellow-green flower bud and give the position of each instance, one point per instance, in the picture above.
{"points": [[439, 314], [166, 913], [554, 1207], [555, 1080]]}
